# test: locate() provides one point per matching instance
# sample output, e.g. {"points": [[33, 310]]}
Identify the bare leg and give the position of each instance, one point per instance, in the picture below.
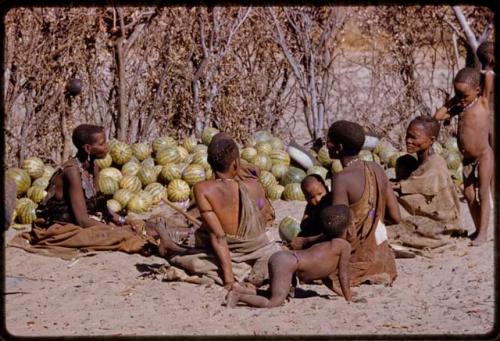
{"points": [[166, 243], [483, 205]]}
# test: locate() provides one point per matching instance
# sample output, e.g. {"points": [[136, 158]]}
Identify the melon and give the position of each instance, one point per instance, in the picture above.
{"points": [[250, 142], [189, 143], [36, 194], [279, 170], [42, 182], [394, 159], [293, 191], [262, 136], [200, 158], [139, 203], [48, 171], [123, 196], [264, 147], [289, 228], [157, 169], [437, 148], [142, 150], [262, 161], [267, 179], [200, 148], [275, 191], [108, 185], [104, 162], [321, 171], [120, 153], [313, 153], [451, 144], [453, 160], [178, 190], [168, 155], [376, 158], [113, 205], [148, 162], [26, 212], [130, 168], [193, 174], [163, 142], [112, 142], [386, 155], [276, 143], [147, 175], [157, 192], [336, 166], [248, 153], [183, 153], [365, 155], [131, 182], [279, 156], [170, 172], [324, 157], [34, 166], [21, 178], [207, 134], [112, 173], [294, 175]]}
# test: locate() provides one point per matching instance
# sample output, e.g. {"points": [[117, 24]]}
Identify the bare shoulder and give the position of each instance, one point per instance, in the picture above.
{"points": [[202, 186], [340, 244], [379, 172]]}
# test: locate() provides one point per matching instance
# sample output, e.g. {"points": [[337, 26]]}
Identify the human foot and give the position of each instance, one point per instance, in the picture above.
{"points": [[479, 239], [232, 299]]}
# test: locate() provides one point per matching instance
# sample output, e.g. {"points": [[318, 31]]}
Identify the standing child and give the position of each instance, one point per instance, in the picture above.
{"points": [[471, 104], [320, 261]]}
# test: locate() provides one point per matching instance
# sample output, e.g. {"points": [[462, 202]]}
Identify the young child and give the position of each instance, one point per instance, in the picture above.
{"points": [[320, 261], [471, 104]]}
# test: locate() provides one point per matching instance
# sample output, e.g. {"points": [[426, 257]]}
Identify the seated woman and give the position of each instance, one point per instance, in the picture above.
{"points": [[72, 216], [427, 192]]}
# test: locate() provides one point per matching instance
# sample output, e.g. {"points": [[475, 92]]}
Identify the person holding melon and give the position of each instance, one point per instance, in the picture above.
{"points": [[72, 216]]}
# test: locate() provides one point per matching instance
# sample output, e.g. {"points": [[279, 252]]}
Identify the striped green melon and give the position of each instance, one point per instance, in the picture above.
{"points": [[189, 143], [313, 153], [113, 205], [147, 175], [248, 153], [453, 160], [294, 175], [123, 196], [183, 153], [112, 173], [108, 185], [157, 192], [193, 174], [293, 191], [134, 159], [148, 162], [250, 142], [26, 212], [275, 191], [112, 142], [36, 194], [48, 171], [276, 143], [262, 161], [386, 155], [279, 170], [376, 158], [208, 173], [321, 171], [131, 182], [264, 147], [288, 229], [120, 153], [200, 158], [178, 190], [34, 166], [167, 155], [21, 178], [451, 144], [437, 148], [140, 203], [365, 155], [188, 159], [262, 136], [130, 168], [157, 169], [207, 134], [200, 148], [105, 162], [279, 156], [163, 142], [169, 172], [267, 179], [42, 182], [336, 166], [142, 150], [324, 157]]}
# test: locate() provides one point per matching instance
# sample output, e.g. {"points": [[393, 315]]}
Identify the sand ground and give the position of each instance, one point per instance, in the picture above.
{"points": [[450, 291]]}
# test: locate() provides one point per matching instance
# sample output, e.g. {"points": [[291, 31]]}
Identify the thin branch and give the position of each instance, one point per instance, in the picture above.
{"points": [[471, 38]]}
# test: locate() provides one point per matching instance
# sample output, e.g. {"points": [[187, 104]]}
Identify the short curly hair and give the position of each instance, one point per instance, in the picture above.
{"points": [[84, 134], [350, 134], [486, 53], [469, 76], [221, 152], [431, 125], [335, 220]]}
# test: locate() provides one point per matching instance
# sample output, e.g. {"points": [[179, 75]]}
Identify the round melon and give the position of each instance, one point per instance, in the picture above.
{"points": [[453, 160], [289, 228], [147, 175], [48, 171], [386, 155], [157, 192], [208, 173], [294, 175], [123, 196], [157, 169], [131, 182], [207, 134], [36, 194], [163, 142], [193, 174], [279, 170], [21, 178], [457, 175], [262, 161], [276, 143], [267, 179], [336, 166], [113, 205], [324, 157], [262, 136], [279, 156], [134, 159], [169, 172], [200, 158], [264, 147], [130, 168], [437, 148], [248, 153], [34, 166], [105, 162], [250, 142], [42, 182], [189, 143], [293, 191], [178, 190], [376, 158], [200, 148], [313, 153], [108, 185], [139, 203], [113, 142], [451, 144], [141, 150], [148, 162], [168, 155], [120, 153], [26, 212], [183, 153], [321, 171], [365, 155], [275, 191], [112, 173]]}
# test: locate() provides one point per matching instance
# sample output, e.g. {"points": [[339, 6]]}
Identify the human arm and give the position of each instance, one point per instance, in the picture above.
{"points": [[392, 214], [343, 272], [443, 113], [488, 81], [299, 243], [217, 234]]}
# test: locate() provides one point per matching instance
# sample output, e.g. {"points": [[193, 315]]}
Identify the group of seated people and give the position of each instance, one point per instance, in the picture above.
{"points": [[343, 240]]}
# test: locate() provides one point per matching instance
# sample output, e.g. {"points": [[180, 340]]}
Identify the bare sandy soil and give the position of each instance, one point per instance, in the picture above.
{"points": [[450, 291]]}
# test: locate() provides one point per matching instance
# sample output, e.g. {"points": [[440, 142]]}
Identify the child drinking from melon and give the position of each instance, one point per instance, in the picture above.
{"points": [[321, 261]]}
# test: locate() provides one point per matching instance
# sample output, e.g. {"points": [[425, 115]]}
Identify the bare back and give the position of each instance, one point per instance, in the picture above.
{"points": [[473, 129]]}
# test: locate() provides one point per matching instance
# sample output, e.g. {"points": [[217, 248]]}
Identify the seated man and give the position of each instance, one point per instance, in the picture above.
{"points": [[232, 245]]}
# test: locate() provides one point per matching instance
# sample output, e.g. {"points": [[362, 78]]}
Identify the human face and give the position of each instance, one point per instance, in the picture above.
{"points": [[99, 148], [314, 192], [465, 94], [417, 139], [333, 149]]}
